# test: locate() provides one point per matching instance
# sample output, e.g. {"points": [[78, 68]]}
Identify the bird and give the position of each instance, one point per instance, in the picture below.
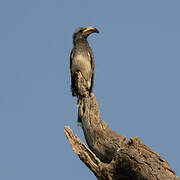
{"points": [[82, 59]]}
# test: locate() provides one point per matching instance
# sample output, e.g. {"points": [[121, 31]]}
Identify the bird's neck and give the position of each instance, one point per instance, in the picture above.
{"points": [[81, 41]]}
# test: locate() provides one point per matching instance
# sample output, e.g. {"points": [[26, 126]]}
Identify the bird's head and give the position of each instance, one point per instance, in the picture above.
{"points": [[83, 33]]}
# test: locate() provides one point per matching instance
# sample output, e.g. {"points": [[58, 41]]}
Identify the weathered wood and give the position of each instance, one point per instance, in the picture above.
{"points": [[111, 156]]}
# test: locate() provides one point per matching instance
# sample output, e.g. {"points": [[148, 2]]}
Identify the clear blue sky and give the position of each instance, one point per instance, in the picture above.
{"points": [[137, 80]]}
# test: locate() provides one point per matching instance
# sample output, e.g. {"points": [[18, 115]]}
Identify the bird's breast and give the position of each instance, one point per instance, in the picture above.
{"points": [[82, 63]]}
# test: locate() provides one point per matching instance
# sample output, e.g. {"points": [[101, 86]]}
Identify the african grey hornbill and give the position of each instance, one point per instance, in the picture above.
{"points": [[82, 59]]}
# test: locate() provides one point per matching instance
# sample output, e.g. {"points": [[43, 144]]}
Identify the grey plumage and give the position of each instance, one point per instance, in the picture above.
{"points": [[82, 58]]}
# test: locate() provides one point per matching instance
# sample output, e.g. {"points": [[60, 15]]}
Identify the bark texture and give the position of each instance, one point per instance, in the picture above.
{"points": [[110, 156]]}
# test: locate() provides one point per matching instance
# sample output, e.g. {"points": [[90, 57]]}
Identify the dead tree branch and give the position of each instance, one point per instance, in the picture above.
{"points": [[111, 156]]}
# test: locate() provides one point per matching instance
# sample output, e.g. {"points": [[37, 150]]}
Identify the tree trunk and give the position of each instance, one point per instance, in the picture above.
{"points": [[110, 156]]}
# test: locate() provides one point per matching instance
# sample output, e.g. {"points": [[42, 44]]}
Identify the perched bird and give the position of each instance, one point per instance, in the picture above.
{"points": [[82, 58]]}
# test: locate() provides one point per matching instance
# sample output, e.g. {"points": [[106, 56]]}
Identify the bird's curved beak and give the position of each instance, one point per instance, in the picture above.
{"points": [[90, 30]]}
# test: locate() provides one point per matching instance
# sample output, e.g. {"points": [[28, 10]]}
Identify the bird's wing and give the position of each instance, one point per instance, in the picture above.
{"points": [[72, 79], [92, 67], [71, 58]]}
